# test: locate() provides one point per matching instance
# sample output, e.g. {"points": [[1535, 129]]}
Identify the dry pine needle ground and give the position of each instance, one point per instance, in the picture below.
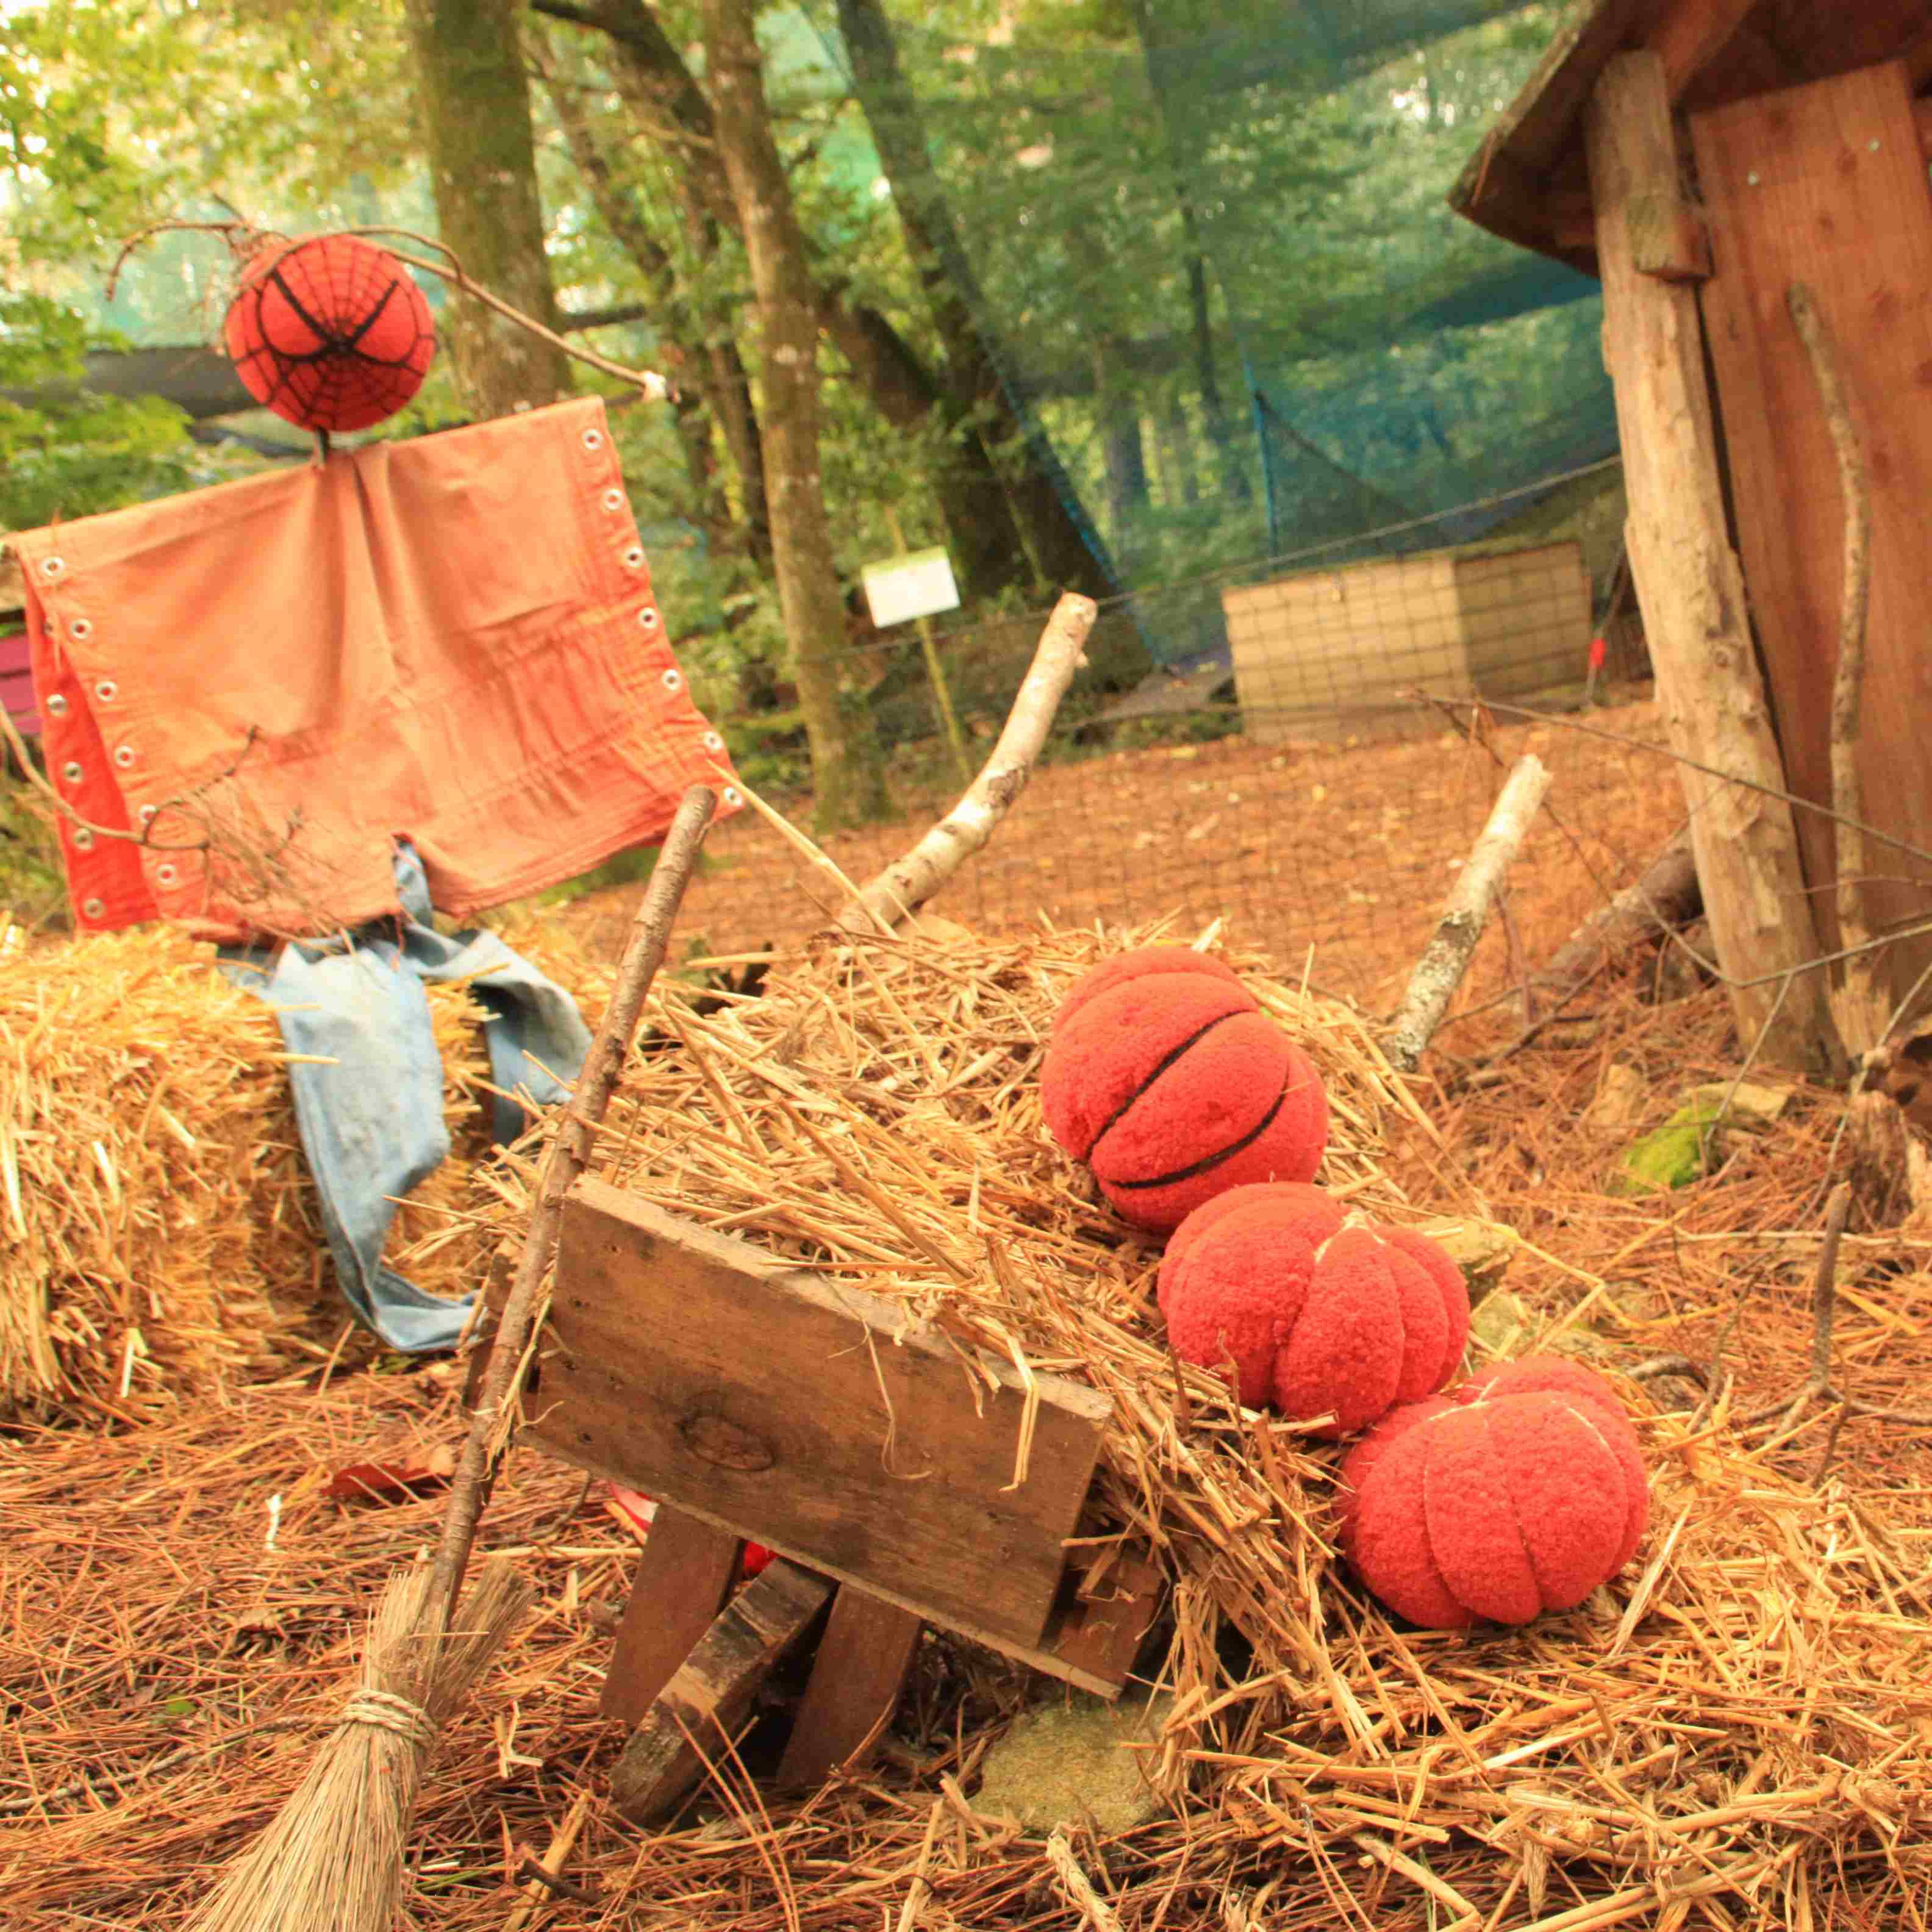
{"points": [[1739, 1733]]}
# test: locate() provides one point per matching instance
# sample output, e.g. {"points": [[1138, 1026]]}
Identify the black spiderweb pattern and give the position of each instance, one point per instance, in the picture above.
{"points": [[331, 334]]}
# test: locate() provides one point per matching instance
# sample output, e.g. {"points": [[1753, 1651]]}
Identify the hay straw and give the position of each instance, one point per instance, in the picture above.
{"points": [[1606, 1741], [161, 1235], [364, 1783], [1738, 1734]]}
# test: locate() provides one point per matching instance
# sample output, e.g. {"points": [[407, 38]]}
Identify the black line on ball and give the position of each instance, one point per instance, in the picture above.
{"points": [[1166, 1061], [1213, 1160]]}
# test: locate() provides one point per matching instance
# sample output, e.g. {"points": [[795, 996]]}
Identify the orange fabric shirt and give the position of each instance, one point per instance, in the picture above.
{"points": [[452, 638]]}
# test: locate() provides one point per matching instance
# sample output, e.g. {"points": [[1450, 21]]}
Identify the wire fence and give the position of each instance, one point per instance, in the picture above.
{"points": [[1314, 783]]}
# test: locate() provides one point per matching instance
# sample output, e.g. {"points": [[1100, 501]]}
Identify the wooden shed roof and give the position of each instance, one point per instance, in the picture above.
{"points": [[1528, 182]]}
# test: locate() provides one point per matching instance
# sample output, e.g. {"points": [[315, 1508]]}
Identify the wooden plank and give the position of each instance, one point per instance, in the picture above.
{"points": [[1691, 588], [1691, 34], [710, 1693], [684, 1574], [861, 1666], [1826, 185], [795, 1412], [1504, 186], [1112, 1609]]}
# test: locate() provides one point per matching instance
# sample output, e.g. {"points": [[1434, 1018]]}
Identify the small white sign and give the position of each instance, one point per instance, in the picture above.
{"points": [[914, 585]]}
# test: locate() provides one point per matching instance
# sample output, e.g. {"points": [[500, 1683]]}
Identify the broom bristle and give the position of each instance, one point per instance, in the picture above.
{"points": [[333, 1860]]}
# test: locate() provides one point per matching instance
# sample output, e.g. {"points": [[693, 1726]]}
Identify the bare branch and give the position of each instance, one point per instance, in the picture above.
{"points": [[904, 886], [1446, 958]]}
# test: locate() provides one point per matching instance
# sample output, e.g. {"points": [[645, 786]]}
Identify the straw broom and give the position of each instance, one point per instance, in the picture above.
{"points": [[333, 1860]]}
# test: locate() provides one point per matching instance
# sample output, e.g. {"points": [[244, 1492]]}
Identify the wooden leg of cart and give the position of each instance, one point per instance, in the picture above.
{"points": [[683, 1579], [862, 1662], [711, 1692]]}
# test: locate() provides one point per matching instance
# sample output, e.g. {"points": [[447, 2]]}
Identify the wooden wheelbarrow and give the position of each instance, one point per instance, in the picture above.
{"points": [[759, 1402]]}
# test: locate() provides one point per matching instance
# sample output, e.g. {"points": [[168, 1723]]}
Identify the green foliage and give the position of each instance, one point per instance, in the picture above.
{"points": [[33, 888], [78, 453]]}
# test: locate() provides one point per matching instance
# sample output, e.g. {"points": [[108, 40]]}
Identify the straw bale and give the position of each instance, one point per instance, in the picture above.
{"points": [[163, 1237]]}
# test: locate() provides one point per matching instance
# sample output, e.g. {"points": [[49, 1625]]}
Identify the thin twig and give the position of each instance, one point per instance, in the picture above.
{"points": [[1857, 1007], [1099, 1915], [906, 885], [1819, 1386], [570, 1154]]}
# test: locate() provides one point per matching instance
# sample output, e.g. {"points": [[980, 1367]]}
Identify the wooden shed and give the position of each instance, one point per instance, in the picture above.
{"points": [[1728, 168], [1314, 652]]}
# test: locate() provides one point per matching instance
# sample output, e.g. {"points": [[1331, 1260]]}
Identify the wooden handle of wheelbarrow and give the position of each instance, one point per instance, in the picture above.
{"points": [[569, 1154]]}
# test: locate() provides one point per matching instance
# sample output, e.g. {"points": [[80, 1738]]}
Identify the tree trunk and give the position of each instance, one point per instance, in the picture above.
{"points": [[848, 776], [670, 107], [476, 119], [719, 383], [1007, 442]]}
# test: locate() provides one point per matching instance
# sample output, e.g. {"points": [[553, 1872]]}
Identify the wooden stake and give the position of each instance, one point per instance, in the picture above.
{"points": [[1690, 584], [712, 1691], [1446, 958], [569, 1155], [935, 671]]}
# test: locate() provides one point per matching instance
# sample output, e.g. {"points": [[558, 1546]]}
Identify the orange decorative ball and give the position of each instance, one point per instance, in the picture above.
{"points": [[1518, 1492], [332, 333], [1318, 1317], [1166, 1077]]}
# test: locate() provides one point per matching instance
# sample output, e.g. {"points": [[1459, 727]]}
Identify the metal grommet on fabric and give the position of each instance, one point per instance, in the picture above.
{"points": [[732, 796], [83, 839], [71, 771], [634, 557], [648, 618], [593, 439], [93, 908], [124, 755], [672, 679], [149, 813], [53, 566], [613, 499], [81, 629], [712, 742], [57, 705], [107, 691], [164, 874]]}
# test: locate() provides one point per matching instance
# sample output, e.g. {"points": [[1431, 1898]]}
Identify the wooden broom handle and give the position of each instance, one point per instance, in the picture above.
{"points": [[568, 1156]]}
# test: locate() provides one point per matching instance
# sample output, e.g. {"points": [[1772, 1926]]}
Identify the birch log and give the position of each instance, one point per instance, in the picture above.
{"points": [[1446, 958], [905, 885]]}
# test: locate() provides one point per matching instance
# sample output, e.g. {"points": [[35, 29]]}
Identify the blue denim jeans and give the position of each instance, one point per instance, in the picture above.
{"points": [[369, 1105]]}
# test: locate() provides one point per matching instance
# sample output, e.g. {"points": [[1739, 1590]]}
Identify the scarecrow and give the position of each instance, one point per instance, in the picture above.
{"points": [[305, 712]]}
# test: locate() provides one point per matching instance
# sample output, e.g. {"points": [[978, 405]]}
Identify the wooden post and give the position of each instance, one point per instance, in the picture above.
{"points": [[1690, 584], [935, 671]]}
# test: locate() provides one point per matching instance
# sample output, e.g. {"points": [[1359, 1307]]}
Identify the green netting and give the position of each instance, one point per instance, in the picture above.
{"points": [[1207, 247]]}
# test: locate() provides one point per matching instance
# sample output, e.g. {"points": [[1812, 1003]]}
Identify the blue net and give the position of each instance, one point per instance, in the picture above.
{"points": [[1208, 249]]}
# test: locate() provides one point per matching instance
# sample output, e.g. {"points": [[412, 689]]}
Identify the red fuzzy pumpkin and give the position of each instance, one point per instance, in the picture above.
{"points": [[1166, 1077], [1319, 1318], [332, 333], [1517, 1493]]}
